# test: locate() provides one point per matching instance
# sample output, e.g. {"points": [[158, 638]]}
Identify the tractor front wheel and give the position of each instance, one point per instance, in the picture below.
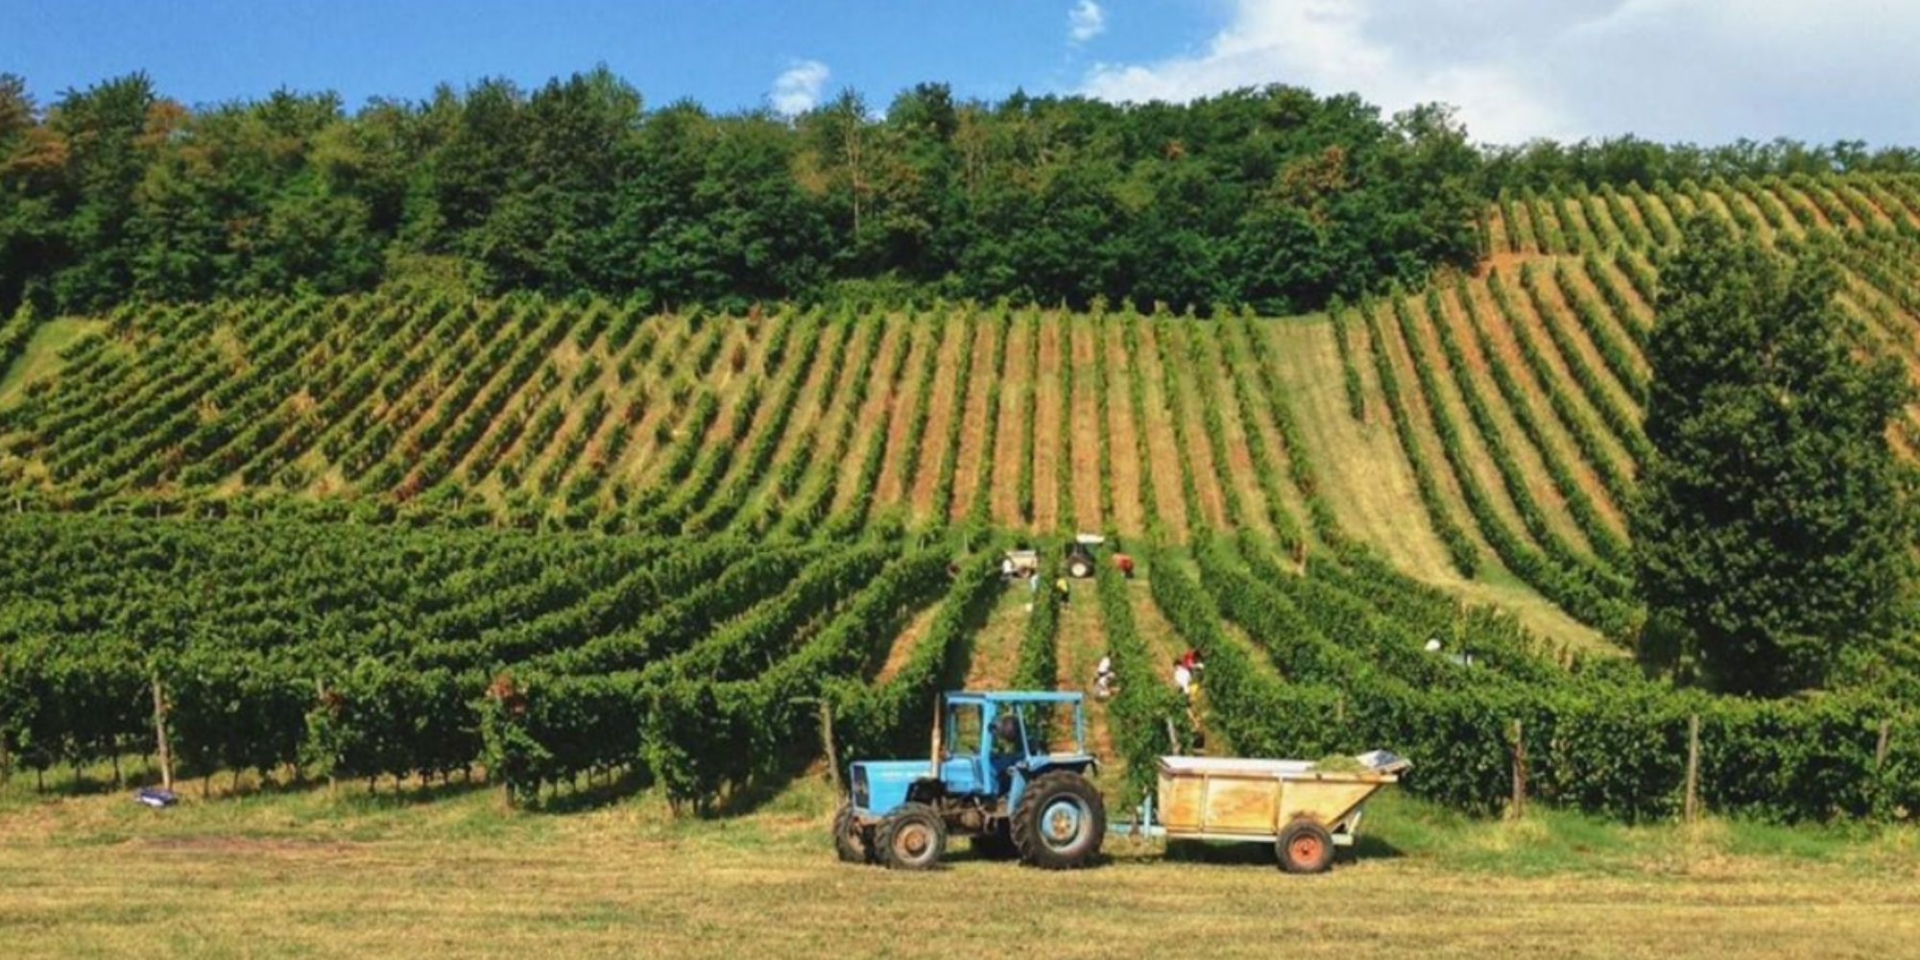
{"points": [[912, 838], [1060, 822], [851, 841], [1305, 847]]}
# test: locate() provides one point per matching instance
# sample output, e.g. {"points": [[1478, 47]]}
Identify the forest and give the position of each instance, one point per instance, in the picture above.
{"points": [[1272, 198]]}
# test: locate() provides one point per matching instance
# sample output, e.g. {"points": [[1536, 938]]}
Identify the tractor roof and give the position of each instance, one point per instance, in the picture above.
{"points": [[1014, 696]]}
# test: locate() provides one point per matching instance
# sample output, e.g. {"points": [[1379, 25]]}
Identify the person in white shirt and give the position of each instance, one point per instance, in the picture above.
{"points": [[1183, 679], [1103, 678]]}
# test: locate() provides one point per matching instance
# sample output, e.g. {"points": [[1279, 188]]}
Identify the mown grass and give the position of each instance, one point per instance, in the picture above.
{"points": [[452, 871], [42, 356]]}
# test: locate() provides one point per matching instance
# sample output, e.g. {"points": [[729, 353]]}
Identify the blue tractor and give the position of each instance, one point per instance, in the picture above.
{"points": [[1010, 770]]}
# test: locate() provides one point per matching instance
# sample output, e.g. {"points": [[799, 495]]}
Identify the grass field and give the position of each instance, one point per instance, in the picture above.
{"points": [[454, 874]]}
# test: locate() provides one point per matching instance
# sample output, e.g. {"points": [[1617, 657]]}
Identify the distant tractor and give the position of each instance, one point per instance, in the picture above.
{"points": [[1080, 555], [993, 778]]}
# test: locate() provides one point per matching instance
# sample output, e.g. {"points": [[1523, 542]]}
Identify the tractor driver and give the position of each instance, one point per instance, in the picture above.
{"points": [[1006, 749]]}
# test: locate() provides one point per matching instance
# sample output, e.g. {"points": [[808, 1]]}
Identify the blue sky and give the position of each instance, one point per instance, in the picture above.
{"points": [[724, 53], [1707, 71]]}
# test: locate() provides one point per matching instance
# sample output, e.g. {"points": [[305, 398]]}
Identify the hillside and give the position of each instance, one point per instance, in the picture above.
{"points": [[1481, 433], [404, 537]]}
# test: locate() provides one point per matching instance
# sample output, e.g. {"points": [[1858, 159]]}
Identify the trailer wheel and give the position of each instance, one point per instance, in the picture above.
{"points": [[851, 841], [1060, 822], [1305, 847], [912, 838]]}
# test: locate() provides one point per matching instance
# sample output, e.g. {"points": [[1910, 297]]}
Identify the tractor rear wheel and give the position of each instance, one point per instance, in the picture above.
{"points": [[912, 838], [851, 841], [1080, 568], [1305, 847], [1060, 822]]}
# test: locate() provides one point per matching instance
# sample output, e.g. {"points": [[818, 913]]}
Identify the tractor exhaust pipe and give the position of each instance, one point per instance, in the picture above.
{"points": [[939, 732]]}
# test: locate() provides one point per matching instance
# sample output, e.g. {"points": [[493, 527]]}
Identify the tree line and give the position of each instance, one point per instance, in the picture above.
{"points": [[1272, 197]]}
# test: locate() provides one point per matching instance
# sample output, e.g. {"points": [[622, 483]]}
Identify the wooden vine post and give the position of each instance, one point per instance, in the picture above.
{"points": [[826, 741], [1880, 748], [1692, 812], [1517, 807], [160, 734]]}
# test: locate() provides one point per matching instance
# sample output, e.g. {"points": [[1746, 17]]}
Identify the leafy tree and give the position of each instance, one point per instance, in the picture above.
{"points": [[1774, 526]]}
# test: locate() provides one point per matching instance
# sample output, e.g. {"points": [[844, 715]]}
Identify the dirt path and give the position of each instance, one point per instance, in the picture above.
{"points": [[1653, 211], [1507, 353], [1168, 645], [1642, 310], [873, 424], [1123, 440], [1420, 412], [1497, 239], [1850, 194], [1615, 325], [1192, 393], [1550, 351], [1048, 448], [929, 336], [1473, 445], [1633, 215], [725, 384], [1533, 468], [1224, 397], [1561, 313], [1716, 204], [1575, 224], [1163, 453], [649, 385], [973, 433], [1739, 198], [1085, 427], [1549, 223], [1601, 219], [996, 648], [940, 413], [809, 401], [1010, 436], [1525, 233], [1082, 640], [906, 643], [1264, 427]]}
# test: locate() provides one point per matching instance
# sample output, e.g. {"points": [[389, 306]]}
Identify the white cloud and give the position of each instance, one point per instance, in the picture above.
{"points": [[1085, 21], [797, 89], [1700, 70]]}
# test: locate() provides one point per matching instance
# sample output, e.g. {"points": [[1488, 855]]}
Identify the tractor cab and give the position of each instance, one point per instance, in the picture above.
{"points": [[1000, 762], [988, 741]]}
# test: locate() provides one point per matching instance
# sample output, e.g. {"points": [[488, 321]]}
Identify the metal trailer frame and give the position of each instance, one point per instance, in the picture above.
{"points": [[1251, 800]]}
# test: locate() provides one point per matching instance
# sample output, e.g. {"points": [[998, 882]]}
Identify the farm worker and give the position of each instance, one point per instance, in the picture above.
{"points": [[1433, 645], [1033, 582], [1062, 590], [1103, 677], [1183, 679], [1006, 568], [1193, 663], [1125, 563]]}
